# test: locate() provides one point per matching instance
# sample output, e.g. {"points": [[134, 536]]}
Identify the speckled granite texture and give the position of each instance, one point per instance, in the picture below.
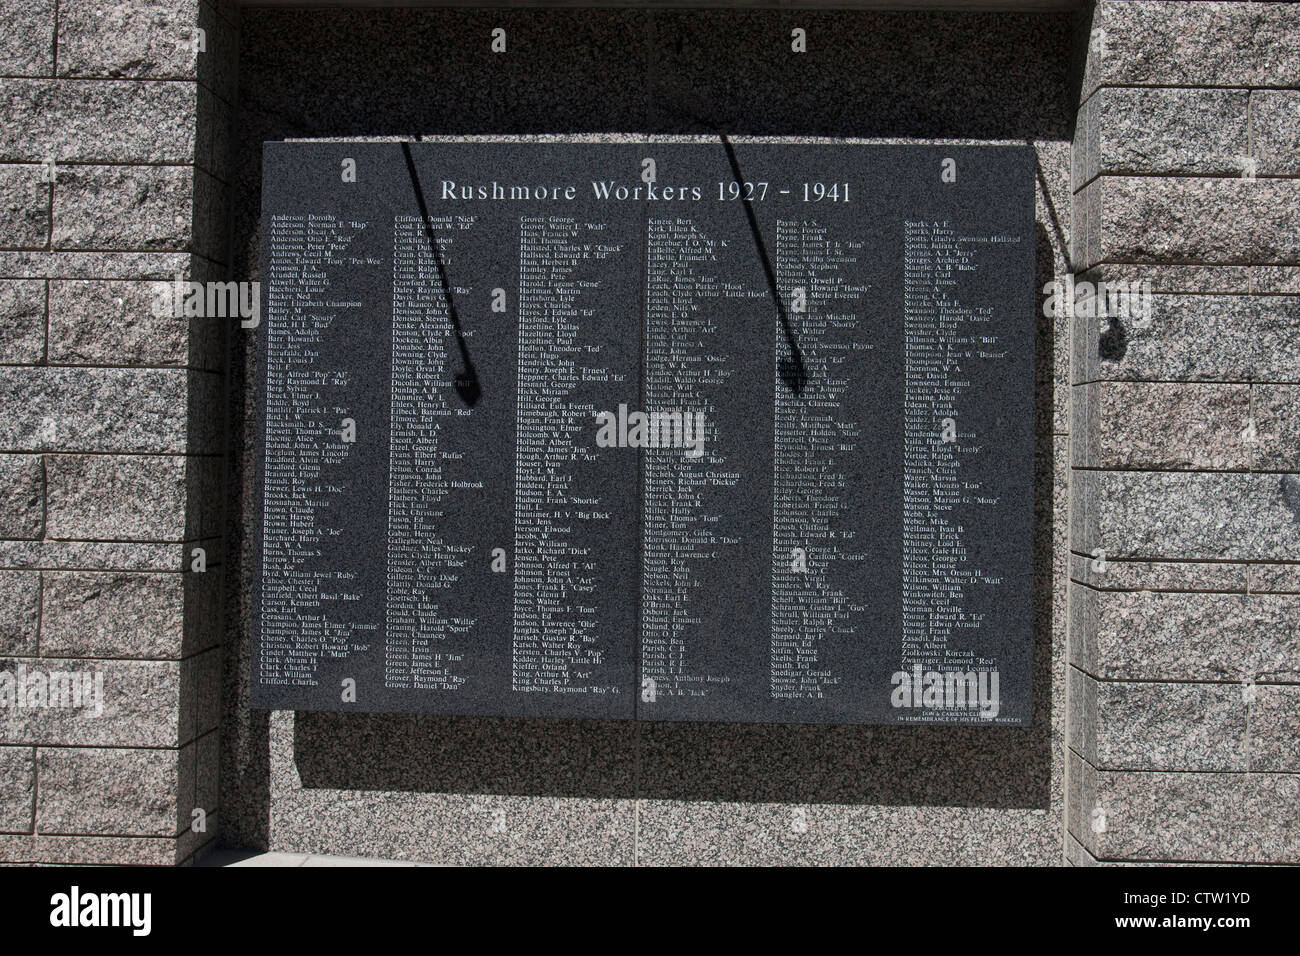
{"points": [[1185, 502], [444, 789], [113, 423]]}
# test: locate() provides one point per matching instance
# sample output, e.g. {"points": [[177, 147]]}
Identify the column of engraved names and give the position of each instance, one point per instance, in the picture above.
{"points": [[420, 648], [556, 647], [299, 622], [935, 334], [685, 363], [813, 546]]}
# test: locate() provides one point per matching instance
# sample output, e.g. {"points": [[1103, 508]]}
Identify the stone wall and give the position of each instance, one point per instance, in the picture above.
{"points": [[1185, 602], [476, 790], [111, 440], [1168, 474]]}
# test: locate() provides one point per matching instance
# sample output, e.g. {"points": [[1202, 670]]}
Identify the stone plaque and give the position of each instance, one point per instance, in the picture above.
{"points": [[669, 431]]}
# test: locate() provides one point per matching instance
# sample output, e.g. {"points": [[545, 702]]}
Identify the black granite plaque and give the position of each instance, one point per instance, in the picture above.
{"points": [[752, 441]]}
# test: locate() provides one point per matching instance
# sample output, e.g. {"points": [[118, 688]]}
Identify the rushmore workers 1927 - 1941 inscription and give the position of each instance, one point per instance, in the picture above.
{"points": [[669, 431]]}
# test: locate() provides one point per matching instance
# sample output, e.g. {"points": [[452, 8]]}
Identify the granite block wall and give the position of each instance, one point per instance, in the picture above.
{"points": [[1184, 661], [112, 443], [474, 790], [1168, 479]]}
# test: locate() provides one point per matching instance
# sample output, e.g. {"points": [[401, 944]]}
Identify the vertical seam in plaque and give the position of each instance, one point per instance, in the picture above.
{"points": [[643, 336]]}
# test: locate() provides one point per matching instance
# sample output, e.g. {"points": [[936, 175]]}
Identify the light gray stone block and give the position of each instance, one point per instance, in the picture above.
{"points": [[1158, 726], [1155, 43], [108, 791], [112, 322], [126, 207], [95, 265], [1275, 121], [1156, 816], [113, 497], [17, 789], [1275, 728], [1276, 280], [27, 38], [1186, 219], [89, 850], [1161, 636], [1114, 575], [1161, 426], [22, 496], [24, 207], [1255, 337], [113, 121], [1142, 131], [20, 612], [112, 614], [149, 38], [95, 410], [22, 321], [1277, 427], [1275, 578], [140, 706], [1193, 516], [125, 329], [105, 555], [1174, 279]]}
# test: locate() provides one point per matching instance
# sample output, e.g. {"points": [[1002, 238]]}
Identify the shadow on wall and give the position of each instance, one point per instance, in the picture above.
{"points": [[410, 73]]}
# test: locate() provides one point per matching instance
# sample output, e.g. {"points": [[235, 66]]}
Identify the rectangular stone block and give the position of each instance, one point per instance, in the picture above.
{"points": [[106, 555], [1275, 578], [1275, 728], [1143, 131], [1255, 337], [1184, 219], [1275, 122], [109, 791], [1160, 43], [1175, 279], [1160, 426], [1111, 575], [22, 321], [1156, 636], [1276, 411], [94, 265], [17, 789], [1275, 280], [126, 329], [89, 850], [1194, 516], [1227, 817], [22, 496], [1158, 726], [114, 497], [95, 410], [124, 207], [112, 614], [20, 612], [27, 38], [108, 121], [24, 207], [140, 705], [147, 38]]}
